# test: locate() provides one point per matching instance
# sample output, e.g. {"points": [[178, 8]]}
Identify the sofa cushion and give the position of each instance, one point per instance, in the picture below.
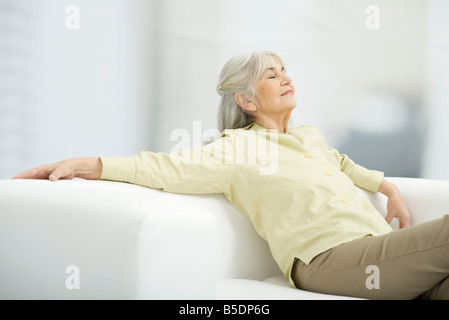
{"points": [[273, 288]]}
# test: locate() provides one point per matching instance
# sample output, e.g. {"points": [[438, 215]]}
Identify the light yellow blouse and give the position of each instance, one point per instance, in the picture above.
{"points": [[298, 192]]}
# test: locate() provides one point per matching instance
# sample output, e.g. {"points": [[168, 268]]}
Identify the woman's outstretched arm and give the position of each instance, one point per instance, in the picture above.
{"points": [[85, 168]]}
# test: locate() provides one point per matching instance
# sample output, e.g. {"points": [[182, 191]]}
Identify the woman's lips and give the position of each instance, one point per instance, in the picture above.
{"points": [[287, 92]]}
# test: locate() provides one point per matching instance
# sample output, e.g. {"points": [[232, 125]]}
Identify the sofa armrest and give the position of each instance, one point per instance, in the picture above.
{"points": [[127, 241]]}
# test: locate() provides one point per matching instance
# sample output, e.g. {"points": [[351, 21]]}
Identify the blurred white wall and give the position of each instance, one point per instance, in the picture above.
{"points": [[78, 94], [136, 70], [436, 152], [86, 88]]}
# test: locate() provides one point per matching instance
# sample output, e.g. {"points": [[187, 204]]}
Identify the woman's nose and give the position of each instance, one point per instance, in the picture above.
{"points": [[286, 80]]}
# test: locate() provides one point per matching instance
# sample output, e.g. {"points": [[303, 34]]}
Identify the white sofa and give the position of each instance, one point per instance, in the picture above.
{"points": [[79, 239]]}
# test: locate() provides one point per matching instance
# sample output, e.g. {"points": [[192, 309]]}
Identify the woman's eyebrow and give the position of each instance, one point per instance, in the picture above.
{"points": [[274, 69]]}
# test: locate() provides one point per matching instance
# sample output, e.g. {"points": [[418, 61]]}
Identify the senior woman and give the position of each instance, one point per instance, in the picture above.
{"points": [[322, 233]]}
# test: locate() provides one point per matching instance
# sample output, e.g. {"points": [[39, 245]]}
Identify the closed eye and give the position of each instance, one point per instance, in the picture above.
{"points": [[273, 69]]}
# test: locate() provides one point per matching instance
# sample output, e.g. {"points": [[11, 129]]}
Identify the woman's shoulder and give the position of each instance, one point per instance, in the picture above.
{"points": [[230, 135], [254, 129], [248, 130]]}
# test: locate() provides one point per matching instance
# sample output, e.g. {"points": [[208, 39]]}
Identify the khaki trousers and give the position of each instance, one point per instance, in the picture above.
{"points": [[406, 264]]}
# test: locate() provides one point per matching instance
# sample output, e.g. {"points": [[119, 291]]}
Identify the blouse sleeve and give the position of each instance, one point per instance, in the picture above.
{"points": [[201, 170], [362, 177]]}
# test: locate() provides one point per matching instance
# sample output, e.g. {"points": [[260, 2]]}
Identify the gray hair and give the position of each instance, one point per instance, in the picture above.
{"points": [[238, 76]]}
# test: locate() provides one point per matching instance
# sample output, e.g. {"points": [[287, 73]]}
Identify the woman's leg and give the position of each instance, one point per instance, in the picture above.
{"points": [[440, 291], [405, 264]]}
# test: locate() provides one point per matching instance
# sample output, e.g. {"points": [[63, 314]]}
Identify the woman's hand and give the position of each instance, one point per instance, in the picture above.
{"points": [[86, 168], [396, 207]]}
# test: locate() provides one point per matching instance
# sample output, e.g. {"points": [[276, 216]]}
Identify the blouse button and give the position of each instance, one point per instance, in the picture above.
{"points": [[343, 199], [328, 173], [308, 155]]}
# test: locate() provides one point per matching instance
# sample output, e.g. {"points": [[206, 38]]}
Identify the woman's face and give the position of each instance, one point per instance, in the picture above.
{"points": [[275, 91]]}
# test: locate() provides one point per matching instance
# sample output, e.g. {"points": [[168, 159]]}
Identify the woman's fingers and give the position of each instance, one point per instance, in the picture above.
{"points": [[85, 168], [41, 172], [53, 172], [63, 170]]}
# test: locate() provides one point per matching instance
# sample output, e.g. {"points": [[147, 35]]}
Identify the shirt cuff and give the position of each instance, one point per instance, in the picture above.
{"points": [[118, 169]]}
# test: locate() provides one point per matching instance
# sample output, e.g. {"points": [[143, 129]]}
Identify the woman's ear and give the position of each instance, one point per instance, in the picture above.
{"points": [[246, 103]]}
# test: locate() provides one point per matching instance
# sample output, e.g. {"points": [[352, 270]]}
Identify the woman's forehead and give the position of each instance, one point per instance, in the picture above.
{"points": [[273, 65]]}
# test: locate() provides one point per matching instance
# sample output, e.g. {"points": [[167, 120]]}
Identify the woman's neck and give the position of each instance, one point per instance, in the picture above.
{"points": [[280, 123]]}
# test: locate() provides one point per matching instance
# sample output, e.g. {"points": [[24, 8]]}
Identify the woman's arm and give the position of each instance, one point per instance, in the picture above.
{"points": [[85, 168], [396, 207], [373, 180]]}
